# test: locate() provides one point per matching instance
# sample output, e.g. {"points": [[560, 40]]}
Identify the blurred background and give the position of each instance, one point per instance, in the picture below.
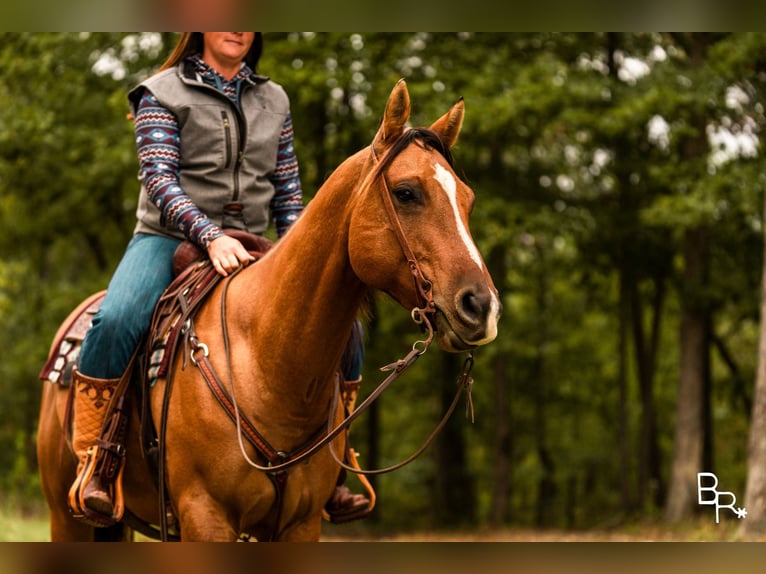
{"points": [[620, 203]]}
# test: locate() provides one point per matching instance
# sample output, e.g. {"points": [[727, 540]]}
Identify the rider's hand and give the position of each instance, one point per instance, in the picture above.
{"points": [[227, 254]]}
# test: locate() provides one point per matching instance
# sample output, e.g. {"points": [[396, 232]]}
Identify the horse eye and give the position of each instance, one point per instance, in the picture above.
{"points": [[406, 194]]}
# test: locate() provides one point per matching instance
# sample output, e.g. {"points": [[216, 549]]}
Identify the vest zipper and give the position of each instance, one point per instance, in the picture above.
{"points": [[227, 136], [242, 133]]}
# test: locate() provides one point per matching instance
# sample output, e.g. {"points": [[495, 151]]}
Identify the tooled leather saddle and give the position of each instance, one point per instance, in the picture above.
{"points": [[194, 280]]}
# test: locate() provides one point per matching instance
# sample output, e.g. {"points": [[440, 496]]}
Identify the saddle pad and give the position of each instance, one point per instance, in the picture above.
{"points": [[67, 342]]}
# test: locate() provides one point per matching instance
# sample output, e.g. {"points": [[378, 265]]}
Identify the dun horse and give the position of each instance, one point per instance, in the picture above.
{"points": [[393, 217]]}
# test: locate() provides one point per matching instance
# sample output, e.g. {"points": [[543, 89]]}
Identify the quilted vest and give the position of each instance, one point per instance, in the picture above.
{"points": [[227, 155]]}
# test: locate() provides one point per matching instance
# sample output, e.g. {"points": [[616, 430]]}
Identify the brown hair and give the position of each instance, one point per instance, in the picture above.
{"points": [[191, 43]]}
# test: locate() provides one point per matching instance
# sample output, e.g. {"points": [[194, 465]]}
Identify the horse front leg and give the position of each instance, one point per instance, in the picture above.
{"points": [[308, 530], [64, 528], [202, 519]]}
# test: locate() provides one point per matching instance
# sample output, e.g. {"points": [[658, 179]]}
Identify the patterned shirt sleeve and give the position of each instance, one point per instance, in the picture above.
{"points": [[287, 203], [157, 143]]}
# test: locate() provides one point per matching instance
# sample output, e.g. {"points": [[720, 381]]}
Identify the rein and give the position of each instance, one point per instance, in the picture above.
{"points": [[465, 382], [301, 454]]}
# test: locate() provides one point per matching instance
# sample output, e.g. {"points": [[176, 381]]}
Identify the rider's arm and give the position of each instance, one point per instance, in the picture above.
{"points": [[158, 146], [287, 203]]}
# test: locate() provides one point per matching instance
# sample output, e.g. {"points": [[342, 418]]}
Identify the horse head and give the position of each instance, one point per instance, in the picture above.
{"points": [[409, 234]]}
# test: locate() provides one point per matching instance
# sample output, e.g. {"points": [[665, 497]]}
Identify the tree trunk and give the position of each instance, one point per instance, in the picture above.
{"points": [[454, 489], [694, 369], [623, 424], [755, 489], [650, 461], [502, 445], [546, 487]]}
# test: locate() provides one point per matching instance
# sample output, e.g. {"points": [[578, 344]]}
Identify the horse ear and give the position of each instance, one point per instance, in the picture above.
{"points": [[394, 118], [448, 126]]}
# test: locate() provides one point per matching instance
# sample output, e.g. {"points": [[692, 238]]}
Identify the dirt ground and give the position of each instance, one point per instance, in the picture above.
{"points": [[694, 532]]}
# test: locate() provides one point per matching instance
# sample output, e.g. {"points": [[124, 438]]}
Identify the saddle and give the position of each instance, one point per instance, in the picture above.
{"points": [[194, 280]]}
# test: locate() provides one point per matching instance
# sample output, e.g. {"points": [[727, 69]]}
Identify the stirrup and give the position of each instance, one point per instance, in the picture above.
{"points": [[356, 511], [355, 506], [77, 501]]}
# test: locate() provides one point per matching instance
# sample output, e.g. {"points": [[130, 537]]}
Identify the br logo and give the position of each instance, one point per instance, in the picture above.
{"points": [[709, 495]]}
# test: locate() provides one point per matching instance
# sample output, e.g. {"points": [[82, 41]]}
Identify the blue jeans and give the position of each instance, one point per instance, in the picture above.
{"points": [[353, 355], [126, 312]]}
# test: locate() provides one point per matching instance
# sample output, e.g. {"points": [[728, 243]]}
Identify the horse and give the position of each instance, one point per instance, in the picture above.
{"points": [[393, 217]]}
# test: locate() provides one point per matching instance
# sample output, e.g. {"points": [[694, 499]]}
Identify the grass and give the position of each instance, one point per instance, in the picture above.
{"points": [[31, 525], [691, 531]]}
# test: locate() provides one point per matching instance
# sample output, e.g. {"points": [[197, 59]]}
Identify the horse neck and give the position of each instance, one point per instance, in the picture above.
{"points": [[308, 295]]}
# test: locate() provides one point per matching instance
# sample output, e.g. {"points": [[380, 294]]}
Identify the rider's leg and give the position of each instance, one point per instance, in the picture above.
{"points": [[143, 274], [123, 319]]}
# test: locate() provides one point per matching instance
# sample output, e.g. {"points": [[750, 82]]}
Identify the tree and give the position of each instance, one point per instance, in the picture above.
{"points": [[747, 59], [694, 370], [755, 494], [67, 167]]}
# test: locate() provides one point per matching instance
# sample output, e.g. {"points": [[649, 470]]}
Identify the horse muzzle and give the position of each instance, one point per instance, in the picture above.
{"points": [[469, 321]]}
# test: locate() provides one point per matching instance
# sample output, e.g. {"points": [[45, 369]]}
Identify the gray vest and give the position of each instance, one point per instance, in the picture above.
{"points": [[226, 156]]}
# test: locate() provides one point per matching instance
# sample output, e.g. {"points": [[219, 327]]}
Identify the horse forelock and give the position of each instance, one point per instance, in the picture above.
{"points": [[425, 137]]}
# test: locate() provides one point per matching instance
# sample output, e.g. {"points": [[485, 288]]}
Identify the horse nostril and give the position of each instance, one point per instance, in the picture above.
{"points": [[470, 306]]}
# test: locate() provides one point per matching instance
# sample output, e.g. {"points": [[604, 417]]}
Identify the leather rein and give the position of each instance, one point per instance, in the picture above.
{"points": [[279, 461]]}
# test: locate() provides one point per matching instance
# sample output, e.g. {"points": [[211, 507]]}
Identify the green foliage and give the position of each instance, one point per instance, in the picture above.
{"points": [[574, 192], [67, 197]]}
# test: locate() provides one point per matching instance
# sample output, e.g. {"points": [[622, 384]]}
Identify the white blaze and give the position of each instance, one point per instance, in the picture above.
{"points": [[447, 181]]}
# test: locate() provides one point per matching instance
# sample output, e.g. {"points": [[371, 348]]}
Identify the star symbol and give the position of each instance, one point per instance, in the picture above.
{"points": [[741, 512]]}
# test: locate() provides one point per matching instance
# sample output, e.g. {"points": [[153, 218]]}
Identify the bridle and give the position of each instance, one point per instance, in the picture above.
{"points": [[423, 286]]}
